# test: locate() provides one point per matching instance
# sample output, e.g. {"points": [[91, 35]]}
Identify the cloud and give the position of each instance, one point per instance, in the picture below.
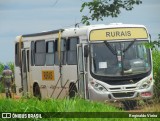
{"points": [[31, 16], [23, 4]]}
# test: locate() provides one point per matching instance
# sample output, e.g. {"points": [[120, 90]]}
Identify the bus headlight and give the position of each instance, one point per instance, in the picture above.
{"points": [[145, 84], [98, 86]]}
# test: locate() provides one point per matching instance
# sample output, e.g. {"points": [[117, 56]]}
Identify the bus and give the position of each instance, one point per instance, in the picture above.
{"points": [[97, 62]]}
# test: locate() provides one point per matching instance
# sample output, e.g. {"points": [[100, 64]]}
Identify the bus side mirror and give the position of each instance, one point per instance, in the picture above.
{"points": [[86, 51]]}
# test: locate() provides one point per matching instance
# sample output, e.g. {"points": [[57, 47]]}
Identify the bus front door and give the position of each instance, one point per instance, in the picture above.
{"points": [[82, 73]]}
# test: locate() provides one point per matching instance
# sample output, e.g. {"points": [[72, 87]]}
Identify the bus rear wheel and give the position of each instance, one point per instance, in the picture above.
{"points": [[72, 90], [36, 91]]}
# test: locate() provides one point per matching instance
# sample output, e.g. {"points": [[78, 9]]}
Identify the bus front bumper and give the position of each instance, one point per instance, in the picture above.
{"points": [[120, 95]]}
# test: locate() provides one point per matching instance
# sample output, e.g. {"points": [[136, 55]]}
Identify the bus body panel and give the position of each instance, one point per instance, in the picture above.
{"points": [[65, 74]]}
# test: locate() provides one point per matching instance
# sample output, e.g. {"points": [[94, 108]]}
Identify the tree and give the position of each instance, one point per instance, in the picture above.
{"points": [[156, 66], [98, 9], [155, 44]]}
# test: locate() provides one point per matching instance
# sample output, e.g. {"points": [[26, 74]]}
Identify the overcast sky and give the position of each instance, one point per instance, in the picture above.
{"points": [[19, 17]]}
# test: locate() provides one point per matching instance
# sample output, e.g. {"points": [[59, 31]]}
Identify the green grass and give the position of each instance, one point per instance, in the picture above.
{"points": [[1, 67], [65, 105], [156, 72]]}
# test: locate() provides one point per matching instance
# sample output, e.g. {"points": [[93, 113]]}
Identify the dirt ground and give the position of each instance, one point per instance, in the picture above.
{"points": [[152, 106]]}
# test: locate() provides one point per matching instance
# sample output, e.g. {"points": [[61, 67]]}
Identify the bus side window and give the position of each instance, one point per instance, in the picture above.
{"points": [[63, 51], [50, 53], [56, 58], [32, 53], [72, 51], [40, 52], [17, 56]]}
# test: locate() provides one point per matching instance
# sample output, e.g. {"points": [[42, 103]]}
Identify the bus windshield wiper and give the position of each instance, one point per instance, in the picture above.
{"points": [[110, 47], [129, 46]]}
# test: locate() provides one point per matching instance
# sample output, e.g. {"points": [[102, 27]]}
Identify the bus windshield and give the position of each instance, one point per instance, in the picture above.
{"points": [[120, 58]]}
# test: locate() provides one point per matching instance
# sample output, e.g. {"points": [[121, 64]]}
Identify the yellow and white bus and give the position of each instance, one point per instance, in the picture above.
{"points": [[99, 62]]}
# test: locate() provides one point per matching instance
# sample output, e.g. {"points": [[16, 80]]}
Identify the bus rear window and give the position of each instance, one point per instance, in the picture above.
{"points": [[17, 53]]}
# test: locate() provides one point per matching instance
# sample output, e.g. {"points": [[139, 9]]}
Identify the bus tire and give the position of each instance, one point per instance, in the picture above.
{"points": [[72, 90], [129, 104], [36, 91]]}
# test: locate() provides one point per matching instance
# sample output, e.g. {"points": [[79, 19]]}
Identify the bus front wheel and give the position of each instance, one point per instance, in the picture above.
{"points": [[129, 104]]}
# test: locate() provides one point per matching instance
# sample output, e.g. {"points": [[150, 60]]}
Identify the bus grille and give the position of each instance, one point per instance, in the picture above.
{"points": [[126, 94]]}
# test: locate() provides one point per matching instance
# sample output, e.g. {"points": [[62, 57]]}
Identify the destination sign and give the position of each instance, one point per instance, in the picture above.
{"points": [[118, 34]]}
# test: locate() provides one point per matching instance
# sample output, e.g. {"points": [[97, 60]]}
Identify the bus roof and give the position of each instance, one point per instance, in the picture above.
{"points": [[82, 30], [43, 33]]}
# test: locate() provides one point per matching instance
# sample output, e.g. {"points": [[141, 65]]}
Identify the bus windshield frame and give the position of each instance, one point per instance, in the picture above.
{"points": [[120, 58]]}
